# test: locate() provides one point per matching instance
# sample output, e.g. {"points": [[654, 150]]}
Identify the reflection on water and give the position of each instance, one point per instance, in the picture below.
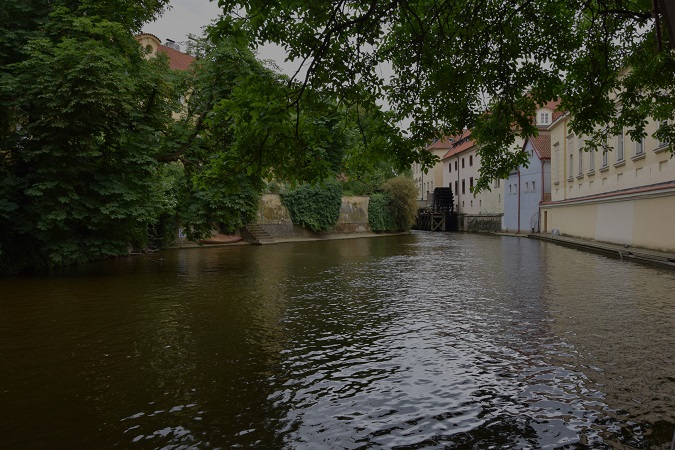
{"points": [[418, 341]]}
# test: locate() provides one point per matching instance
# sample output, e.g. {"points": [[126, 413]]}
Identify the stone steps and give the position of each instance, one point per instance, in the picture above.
{"points": [[258, 235]]}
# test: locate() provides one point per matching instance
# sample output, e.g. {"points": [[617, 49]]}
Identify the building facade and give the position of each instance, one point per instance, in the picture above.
{"points": [[460, 172], [527, 187], [625, 195], [427, 182]]}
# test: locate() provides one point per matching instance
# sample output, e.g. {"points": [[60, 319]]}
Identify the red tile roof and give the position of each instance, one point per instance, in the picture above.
{"points": [[542, 145], [461, 143], [441, 144], [177, 60]]}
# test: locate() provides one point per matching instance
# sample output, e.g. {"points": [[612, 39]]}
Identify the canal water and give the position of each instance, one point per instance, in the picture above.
{"points": [[420, 341]]}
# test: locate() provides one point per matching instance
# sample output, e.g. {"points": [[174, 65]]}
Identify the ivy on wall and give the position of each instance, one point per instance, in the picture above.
{"points": [[379, 213], [316, 207]]}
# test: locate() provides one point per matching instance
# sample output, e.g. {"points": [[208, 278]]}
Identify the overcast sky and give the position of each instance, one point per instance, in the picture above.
{"points": [[190, 16]]}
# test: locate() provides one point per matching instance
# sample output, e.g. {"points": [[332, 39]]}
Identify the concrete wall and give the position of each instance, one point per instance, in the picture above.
{"points": [[276, 220]]}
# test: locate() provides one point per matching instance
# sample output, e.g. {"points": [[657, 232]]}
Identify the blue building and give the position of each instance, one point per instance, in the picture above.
{"points": [[527, 187]]}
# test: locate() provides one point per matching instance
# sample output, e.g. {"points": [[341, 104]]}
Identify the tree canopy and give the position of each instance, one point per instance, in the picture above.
{"points": [[103, 150], [483, 64]]}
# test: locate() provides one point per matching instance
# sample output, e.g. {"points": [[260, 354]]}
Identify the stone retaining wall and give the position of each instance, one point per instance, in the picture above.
{"points": [[275, 219], [484, 223]]}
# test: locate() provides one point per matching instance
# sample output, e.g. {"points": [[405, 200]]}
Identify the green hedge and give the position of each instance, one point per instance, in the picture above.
{"points": [[395, 209], [403, 194], [314, 207], [380, 217]]}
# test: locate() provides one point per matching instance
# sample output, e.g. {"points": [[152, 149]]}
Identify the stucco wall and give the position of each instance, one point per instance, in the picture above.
{"points": [[640, 222]]}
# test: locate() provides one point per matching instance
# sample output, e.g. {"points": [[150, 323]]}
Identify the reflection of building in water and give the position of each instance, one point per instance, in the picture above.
{"points": [[618, 321]]}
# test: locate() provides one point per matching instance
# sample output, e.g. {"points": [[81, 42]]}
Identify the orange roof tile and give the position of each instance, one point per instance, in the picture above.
{"points": [[542, 145], [177, 60], [461, 143], [443, 143]]}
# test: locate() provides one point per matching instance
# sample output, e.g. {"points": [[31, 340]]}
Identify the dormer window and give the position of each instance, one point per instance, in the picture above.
{"points": [[544, 118]]}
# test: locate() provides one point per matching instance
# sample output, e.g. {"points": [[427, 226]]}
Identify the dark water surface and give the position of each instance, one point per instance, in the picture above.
{"points": [[420, 341]]}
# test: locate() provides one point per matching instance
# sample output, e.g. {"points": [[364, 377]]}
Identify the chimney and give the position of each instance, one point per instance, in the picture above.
{"points": [[172, 44]]}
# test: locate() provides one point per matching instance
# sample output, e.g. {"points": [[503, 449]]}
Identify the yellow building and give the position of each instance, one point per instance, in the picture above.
{"points": [[623, 196], [427, 182], [177, 59]]}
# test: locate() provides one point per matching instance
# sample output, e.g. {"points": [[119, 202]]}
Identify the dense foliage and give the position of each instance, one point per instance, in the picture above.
{"points": [[103, 150], [402, 193], [380, 217], [483, 65], [316, 207], [80, 109]]}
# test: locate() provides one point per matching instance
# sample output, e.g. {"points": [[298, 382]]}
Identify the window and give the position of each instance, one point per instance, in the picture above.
{"points": [[462, 163], [527, 186], [581, 162], [571, 164], [639, 147], [432, 185], [619, 147], [661, 142], [533, 187], [471, 184], [455, 164], [605, 152], [591, 161], [496, 183], [470, 160], [544, 118], [510, 189], [449, 168], [463, 187], [456, 190]]}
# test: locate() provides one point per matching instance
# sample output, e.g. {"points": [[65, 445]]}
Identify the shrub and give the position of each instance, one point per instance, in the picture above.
{"points": [[380, 217], [403, 201], [314, 207]]}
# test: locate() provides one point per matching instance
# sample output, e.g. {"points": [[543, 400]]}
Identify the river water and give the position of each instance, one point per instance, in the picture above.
{"points": [[427, 340]]}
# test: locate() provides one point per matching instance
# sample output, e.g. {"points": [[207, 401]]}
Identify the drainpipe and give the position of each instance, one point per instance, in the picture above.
{"points": [[565, 158], [543, 192], [457, 193], [518, 232]]}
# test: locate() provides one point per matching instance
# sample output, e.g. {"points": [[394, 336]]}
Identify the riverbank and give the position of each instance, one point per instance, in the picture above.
{"points": [[226, 240], [613, 250]]}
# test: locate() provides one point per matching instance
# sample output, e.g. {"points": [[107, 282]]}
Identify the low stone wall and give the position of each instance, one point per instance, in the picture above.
{"points": [[353, 215], [275, 219], [483, 223]]}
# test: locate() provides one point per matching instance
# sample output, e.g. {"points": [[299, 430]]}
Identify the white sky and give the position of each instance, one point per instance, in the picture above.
{"points": [[190, 16]]}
